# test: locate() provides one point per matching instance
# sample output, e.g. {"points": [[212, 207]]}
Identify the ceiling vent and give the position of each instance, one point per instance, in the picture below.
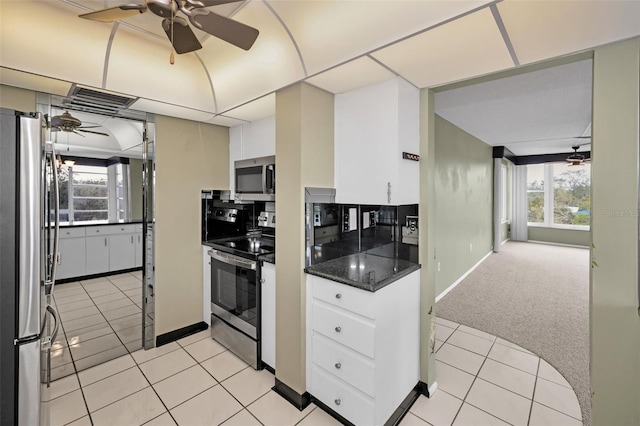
{"points": [[90, 100]]}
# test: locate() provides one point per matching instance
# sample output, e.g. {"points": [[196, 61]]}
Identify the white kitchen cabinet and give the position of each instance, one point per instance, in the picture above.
{"points": [[268, 316], [139, 255], [97, 249], [363, 347], [122, 247], [374, 125], [251, 140], [206, 285], [72, 253]]}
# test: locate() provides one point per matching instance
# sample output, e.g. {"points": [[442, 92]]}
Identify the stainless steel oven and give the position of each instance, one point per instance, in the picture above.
{"points": [[235, 305]]}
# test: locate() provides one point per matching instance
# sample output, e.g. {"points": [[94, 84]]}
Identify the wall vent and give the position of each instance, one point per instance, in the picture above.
{"points": [[90, 100]]}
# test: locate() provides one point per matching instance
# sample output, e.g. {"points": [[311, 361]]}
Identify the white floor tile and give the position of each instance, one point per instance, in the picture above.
{"points": [[111, 389], [413, 420], [66, 408], [162, 420], [545, 416], [470, 342], [184, 385], [273, 410], [557, 397], [438, 410], [319, 417], [499, 402], [204, 334], [249, 385], [508, 377], [84, 421], [62, 387], [100, 357], [211, 407], [443, 332], [94, 281], [204, 348], [243, 418], [133, 410], [460, 358], [75, 296], [106, 369], [122, 312], [438, 345], [79, 313], [224, 365], [446, 323], [166, 365], [64, 308], [515, 358], [89, 333], [470, 415], [452, 380], [477, 332], [94, 346], [109, 298], [146, 355], [77, 324], [513, 345], [547, 372], [114, 304]]}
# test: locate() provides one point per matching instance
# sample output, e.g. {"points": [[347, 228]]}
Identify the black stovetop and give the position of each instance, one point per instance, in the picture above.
{"points": [[249, 247]]}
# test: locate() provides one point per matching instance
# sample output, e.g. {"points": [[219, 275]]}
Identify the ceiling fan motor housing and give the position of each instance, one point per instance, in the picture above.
{"points": [[163, 8]]}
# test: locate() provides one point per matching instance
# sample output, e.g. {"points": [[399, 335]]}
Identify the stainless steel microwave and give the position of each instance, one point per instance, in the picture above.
{"points": [[256, 179]]}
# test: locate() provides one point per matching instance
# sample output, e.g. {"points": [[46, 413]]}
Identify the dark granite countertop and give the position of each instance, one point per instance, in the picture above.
{"points": [[269, 258], [364, 271]]}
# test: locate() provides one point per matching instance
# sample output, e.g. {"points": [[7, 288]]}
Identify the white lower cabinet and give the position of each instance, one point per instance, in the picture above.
{"points": [[363, 347], [268, 316], [90, 250], [73, 256]]}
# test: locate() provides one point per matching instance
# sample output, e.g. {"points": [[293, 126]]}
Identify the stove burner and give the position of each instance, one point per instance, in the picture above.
{"points": [[247, 246]]}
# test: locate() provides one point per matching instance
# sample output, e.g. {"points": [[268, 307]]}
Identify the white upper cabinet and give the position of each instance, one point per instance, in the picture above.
{"points": [[374, 125], [251, 140]]}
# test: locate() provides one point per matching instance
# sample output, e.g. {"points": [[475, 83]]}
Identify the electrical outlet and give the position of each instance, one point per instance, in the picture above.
{"points": [[438, 266], [470, 247]]}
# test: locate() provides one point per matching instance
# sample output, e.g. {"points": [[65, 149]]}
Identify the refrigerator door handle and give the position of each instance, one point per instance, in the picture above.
{"points": [[55, 259], [48, 340]]}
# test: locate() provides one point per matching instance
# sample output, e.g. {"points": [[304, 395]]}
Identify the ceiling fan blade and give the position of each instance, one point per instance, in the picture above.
{"points": [[90, 131], [231, 31], [184, 40], [208, 3], [114, 14]]}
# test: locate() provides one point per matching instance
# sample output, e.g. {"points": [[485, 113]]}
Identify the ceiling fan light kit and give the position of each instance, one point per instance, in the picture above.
{"points": [[177, 29]]}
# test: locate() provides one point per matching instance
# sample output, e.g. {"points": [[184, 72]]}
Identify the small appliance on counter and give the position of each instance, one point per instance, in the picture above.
{"points": [[256, 179]]}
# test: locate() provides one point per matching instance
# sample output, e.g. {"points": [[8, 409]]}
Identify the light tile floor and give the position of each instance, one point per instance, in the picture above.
{"points": [[101, 319], [482, 380]]}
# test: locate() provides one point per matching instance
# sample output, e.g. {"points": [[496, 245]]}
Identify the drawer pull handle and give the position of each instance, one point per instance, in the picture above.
{"points": [[337, 401], [338, 296], [338, 365], [338, 329]]}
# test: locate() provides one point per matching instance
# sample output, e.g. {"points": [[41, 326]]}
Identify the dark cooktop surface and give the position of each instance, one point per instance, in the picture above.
{"points": [[245, 246]]}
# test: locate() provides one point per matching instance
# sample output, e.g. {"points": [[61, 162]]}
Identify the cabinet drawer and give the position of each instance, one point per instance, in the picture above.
{"points": [[123, 229], [72, 232], [341, 398], [344, 328], [346, 297], [97, 230], [345, 364]]}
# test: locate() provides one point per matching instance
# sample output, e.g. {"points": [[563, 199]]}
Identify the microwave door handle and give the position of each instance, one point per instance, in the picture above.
{"points": [[264, 178]]}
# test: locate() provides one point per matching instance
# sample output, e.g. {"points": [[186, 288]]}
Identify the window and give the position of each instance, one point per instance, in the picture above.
{"points": [[566, 203], [94, 194]]}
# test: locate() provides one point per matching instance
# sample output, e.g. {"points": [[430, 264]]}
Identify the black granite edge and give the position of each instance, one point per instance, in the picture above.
{"points": [[89, 225], [269, 258], [294, 398], [174, 335], [100, 275], [366, 286]]}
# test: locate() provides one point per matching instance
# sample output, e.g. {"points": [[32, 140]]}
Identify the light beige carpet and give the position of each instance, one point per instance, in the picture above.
{"points": [[536, 296]]}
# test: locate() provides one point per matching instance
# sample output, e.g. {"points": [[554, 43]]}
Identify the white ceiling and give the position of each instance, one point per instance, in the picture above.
{"points": [[337, 45]]}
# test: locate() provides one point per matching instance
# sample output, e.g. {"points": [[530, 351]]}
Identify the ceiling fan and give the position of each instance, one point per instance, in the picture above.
{"points": [[176, 27], [578, 159], [68, 123]]}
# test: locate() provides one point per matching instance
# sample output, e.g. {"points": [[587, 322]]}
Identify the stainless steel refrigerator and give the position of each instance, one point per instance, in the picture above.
{"points": [[29, 213]]}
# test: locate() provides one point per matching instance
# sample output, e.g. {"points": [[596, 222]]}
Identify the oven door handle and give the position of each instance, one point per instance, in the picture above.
{"points": [[235, 261]]}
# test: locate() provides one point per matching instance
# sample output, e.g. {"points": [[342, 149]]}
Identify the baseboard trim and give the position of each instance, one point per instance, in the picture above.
{"points": [[432, 389], [557, 244], [405, 406], [459, 280], [297, 400], [269, 368], [174, 335], [100, 275], [427, 390]]}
